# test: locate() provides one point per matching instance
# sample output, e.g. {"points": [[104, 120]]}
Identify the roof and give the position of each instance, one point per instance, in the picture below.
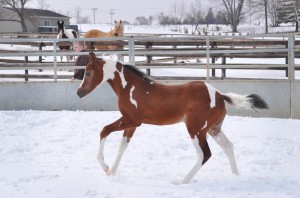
{"points": [[41, 13]]}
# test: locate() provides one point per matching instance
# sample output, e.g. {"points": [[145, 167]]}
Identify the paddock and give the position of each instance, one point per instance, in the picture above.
{"points": [[55, 91]]}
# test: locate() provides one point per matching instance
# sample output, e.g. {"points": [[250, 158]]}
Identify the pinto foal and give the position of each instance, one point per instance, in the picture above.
{"points": [[63, 33], [142, 100]]}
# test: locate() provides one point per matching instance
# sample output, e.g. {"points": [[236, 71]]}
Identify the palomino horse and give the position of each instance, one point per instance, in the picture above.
{"points": [[64, 34], [118, 31], [142, 100]]}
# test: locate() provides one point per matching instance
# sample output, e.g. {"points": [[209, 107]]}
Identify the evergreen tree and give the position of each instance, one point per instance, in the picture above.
{"points": [[210, 17], [287, 11]]}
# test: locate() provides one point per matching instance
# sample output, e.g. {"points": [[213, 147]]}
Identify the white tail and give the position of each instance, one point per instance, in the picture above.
{"points": [[251, 101]]}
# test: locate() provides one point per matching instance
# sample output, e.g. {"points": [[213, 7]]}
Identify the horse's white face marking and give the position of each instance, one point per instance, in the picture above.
{"points": [[132, 100], [212, 94], [122, 77], [147, 92], [109, 69]]}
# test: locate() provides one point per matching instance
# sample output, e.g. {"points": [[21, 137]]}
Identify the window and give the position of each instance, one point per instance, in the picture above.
{"points": [[47, 23]]}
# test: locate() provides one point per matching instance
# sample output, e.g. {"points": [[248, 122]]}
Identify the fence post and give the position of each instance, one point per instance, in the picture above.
{"points": [[26, 70], [131, 50], [149, 58], [291, 72], [55, 60], [207, 58], [40, 57]]}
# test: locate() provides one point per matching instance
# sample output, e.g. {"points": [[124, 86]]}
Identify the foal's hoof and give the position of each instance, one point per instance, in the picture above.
{"points": [[106, 169], [176, 182]]}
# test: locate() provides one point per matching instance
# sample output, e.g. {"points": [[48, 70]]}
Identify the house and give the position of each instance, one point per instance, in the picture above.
{"points": [[34, 18]]}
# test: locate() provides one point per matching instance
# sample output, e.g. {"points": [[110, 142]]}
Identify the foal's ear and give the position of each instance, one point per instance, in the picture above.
{"points": [[121, 21], [58, 22], [116, 21], [92, 57]]}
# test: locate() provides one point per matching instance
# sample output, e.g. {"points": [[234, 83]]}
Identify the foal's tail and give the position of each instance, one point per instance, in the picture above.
{"points": [[251, 101]]}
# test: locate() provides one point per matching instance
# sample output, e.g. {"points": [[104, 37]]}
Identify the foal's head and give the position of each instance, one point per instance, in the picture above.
{"points": [[119, 29], [93, 76]]}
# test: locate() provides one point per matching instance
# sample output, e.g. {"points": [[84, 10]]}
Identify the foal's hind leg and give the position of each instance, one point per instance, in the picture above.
{"points": [[201, 146], [226, 146], [127, 135]]}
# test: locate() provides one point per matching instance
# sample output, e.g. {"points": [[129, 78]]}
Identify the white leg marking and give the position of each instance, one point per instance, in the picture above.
{"points": [[132, 100], [227, 148], [122, 148], [198, 164], [100, 156]]}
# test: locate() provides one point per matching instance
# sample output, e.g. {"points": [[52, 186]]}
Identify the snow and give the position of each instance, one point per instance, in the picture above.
{"points": [[53, 154]]}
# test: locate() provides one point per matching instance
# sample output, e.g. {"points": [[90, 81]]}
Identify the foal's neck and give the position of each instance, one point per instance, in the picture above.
{"points": [[125, 77]]}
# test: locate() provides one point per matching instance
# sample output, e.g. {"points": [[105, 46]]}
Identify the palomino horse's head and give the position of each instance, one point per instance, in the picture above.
{"points": [[93, 75], [119, 29]]}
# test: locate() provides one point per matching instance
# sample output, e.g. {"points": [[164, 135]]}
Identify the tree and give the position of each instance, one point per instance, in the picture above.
{"points": [[287, 11], [141, 20], [163, 19], [221, 18], [177, 11], [79, 18], [17, 6], [43, 5], [210, 17], [150, 19], [195, 15], [234, 12]]}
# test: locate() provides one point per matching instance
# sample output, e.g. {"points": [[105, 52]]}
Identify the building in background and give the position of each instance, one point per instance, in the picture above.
{"points": [[35, 20]]}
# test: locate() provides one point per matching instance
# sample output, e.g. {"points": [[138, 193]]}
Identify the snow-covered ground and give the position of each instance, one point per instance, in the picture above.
{"points": [[53, 154]]}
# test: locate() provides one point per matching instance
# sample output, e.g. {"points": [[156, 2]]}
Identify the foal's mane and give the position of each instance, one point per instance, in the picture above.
{"points": [[138, 72]]}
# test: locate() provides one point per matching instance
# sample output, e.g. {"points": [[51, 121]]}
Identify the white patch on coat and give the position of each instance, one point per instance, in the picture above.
{"points": [[122, 77], [205, 125], [109, 69], [69, 33], [212, 94], [132, 100]]}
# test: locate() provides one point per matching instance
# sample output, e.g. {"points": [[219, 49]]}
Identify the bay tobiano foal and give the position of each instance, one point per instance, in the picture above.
{"points": [[141, 100]]}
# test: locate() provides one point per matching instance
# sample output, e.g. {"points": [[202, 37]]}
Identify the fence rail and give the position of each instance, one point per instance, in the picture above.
{"points": [[26, 54], [156, 50]]}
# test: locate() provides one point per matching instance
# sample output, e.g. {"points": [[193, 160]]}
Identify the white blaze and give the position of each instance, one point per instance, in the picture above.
{"points": [[132, 100]]}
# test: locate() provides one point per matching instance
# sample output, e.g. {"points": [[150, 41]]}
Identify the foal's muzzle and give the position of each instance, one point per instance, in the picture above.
{"points": [[81, 92]]}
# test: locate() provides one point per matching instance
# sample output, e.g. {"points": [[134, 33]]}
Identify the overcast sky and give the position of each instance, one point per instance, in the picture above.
{"points": [[126, 10]]}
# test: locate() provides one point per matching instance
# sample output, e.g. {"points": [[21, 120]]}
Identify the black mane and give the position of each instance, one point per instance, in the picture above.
{"points": [[138, 72]]}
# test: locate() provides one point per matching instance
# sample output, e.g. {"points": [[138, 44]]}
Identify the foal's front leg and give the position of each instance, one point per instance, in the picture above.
{"points": [[118, 125], [128, 133]]}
